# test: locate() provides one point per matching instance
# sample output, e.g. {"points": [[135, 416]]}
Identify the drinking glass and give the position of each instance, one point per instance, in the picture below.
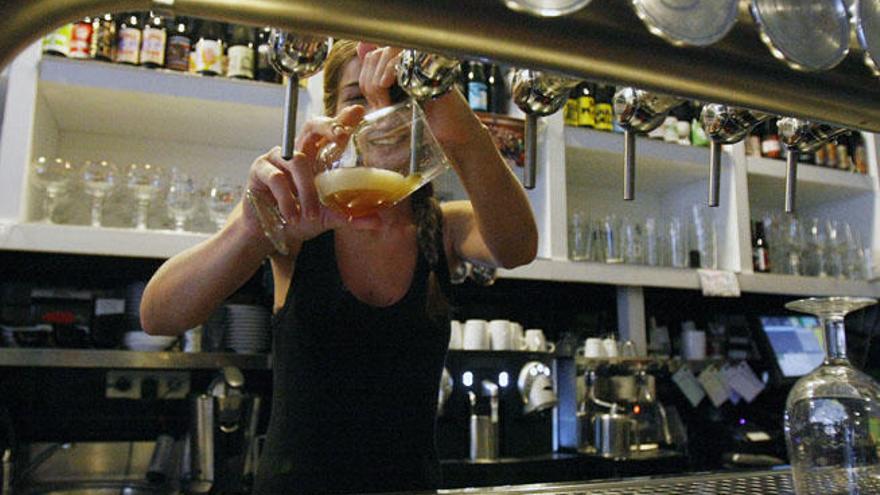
{"points": [[579, 237], [98, 179], [792, 243], [181, 199], [53, 177], [815, 250], [835, 250], [633, 243], [652, 242], [222, 198], [677, 243], [613, 244], [385, 158], [830, 412], [705, 237], [145, 183]]}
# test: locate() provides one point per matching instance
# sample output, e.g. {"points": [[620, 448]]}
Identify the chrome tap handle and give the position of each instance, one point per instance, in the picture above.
{"points": [[530, 167], [426, 75], [791, 166], [629, 165], [714, 173], [801, 136]]}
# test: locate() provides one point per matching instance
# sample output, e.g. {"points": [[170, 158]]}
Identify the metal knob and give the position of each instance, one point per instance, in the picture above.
{"points": [[638, 111], [538, 94], [801, 136], [426, 75], [295, 56], [725, 125]]}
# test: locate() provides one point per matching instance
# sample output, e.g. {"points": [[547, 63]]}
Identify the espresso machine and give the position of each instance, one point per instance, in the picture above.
{"points": [[620, 416], [496, 405], [219, 455]]}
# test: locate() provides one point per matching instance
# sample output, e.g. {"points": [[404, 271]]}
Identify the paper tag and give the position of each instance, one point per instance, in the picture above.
{"points": [[717, 283], [758, 436], [744, 381], [109, 307], [689, 385], [715, 385]]}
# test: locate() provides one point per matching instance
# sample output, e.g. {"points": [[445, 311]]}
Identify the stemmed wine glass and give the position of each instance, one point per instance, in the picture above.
{"points": [[98, 178], [181, 200], [145, 182], [53, 177], [222, 199], [831, 414]]}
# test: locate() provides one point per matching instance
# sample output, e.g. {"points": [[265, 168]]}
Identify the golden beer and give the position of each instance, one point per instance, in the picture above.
{"points": [[360, 191]]}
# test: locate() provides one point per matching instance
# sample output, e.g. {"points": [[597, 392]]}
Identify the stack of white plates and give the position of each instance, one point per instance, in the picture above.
{"points": [[142, 341], [247, 328]]}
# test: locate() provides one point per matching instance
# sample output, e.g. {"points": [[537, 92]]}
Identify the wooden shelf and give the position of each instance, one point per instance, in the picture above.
{"points": [[79, 239], [92, 358]]}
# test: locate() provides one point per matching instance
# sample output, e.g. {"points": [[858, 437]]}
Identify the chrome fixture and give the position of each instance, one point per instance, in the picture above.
{"points": [[801, 136]]}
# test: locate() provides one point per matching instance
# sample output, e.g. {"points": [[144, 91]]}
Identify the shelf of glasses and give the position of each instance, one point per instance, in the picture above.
{"points": [[597, 159], [816, 185], [112, 99], [604, 273], [768, 283], [94, 358], [80, 239]]}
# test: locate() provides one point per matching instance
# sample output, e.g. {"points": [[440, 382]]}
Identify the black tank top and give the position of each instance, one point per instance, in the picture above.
{"points": [[355, 386]]}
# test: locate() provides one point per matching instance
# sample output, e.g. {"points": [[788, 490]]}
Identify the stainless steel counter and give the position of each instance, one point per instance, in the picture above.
{"points": [[736, 483]]}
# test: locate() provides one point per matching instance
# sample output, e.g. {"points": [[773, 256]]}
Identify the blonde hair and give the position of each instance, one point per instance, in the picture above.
{"points": [[341, 53]]}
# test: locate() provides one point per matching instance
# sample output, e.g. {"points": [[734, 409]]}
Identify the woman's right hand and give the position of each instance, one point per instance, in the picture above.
{"points": [[290, 184]]}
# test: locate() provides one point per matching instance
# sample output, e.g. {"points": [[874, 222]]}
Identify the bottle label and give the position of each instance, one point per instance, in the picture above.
{"points": [[761, 259], [604, 116], [102, 40], [570, 112], [129, 46], [153, 48], [178, 53], [208, 56], [58, 41], [770, 147], [586, 116], [81, 40], [478, 96], [241, 62]]}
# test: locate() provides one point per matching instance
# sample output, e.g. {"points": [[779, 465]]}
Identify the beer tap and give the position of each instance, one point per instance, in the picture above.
{"points": [[801, 136], [724, 124], [538, 94], [426, 75], [638, 111], [296, 56]]}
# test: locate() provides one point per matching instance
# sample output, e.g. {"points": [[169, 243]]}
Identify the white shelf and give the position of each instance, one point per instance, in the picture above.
{"points": [[596, 158], [816, 185], [805, 286], [602, 273], [112, 99], [675, 278], [94, 358], [77, 239]]}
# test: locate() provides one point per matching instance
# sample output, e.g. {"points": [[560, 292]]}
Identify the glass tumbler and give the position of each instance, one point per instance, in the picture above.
{"points": [[99, 178], [579, 237], [53, 176], [832, 414]]}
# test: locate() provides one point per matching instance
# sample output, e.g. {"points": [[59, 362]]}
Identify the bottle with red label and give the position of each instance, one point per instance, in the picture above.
{"points": [[208, 52], [179, 44], [155, 36], [103, 37], [128, 43], [81, 39], [771, 146]]}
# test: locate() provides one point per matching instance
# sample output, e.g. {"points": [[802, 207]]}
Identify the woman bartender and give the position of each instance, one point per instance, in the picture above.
{"points": [[357, 358]]}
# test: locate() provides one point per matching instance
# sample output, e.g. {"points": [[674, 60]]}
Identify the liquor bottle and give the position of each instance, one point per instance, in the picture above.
{"points": [[859, 153], [698, 135], [208, 52], [58, 41], [570, 111], [477, 87], [844, 158], [461, 82], [179, 44], [240, 54], [604, 119], [81, 39], [155, 37], [264, 70], [498, 97], [128, 42], [104, 37], [760, 250], [753, 143], [771, 146], [586, 99]]}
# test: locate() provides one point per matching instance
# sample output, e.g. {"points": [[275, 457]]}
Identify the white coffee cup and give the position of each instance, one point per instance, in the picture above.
{"points": [[501, 335], [518, 335], [611, 349], [455, 335], [476, 336], [693, 345], [594, 349], [537, 342]]}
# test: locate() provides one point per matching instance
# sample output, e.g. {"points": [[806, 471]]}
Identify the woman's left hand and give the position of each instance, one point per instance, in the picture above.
{"points": [[378, 73]]}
